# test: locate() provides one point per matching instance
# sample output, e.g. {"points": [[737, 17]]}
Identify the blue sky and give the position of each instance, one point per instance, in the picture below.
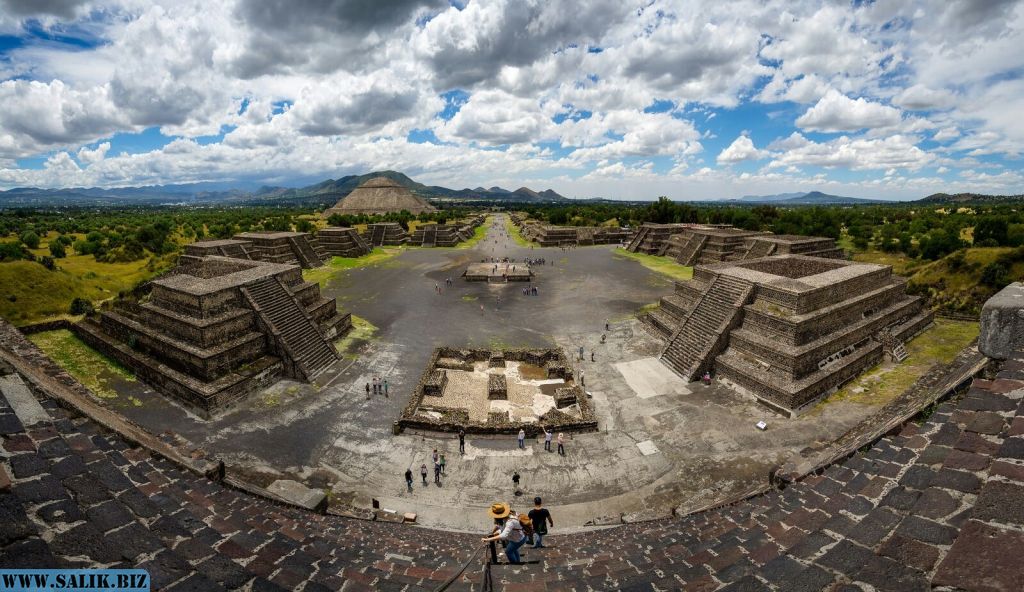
{"points": [[694, 100]]}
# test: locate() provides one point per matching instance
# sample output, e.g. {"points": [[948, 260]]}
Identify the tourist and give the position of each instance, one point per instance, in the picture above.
{"points": [[541, 518], [607, 326], [515, 481], [437, 473], [581, 353], [603, 337], [510, 531], [522, 438], [547, 438], [442, 462], [462, 440], [386, 386], [561, 444], [706, 379], [408, 479], [591, 355], [423, 472], [367, 391], [582, 382], [435, 456]]}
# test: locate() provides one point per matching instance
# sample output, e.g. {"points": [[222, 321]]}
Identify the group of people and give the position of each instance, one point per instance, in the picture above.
{"points": [[380, 387], [439, 466], [514, 529], [530, 291], [547, 440], [539, 261]]}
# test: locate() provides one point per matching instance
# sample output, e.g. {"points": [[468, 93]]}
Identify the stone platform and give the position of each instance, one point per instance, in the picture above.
{"points": [[498, 272]]}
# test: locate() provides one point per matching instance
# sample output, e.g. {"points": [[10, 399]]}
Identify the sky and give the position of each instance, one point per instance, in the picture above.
{"points": [[592, 98]]}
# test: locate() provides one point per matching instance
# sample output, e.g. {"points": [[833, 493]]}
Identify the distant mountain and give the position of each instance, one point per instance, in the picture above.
{"points": [[945, 198], [324, 192], [812, 198]]}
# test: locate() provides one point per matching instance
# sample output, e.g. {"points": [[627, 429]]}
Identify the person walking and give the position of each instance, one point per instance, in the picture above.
{"points": [[582, 382], [386, 382], [591, 355], [442, 464], [423, 472], [511, 531], [561, 443], [435, 456], [437, 473], [462, 440], [515, 481], [547, 439], [541, 518], [522, 438], [367, 391], [581, 353], [408, 478]]}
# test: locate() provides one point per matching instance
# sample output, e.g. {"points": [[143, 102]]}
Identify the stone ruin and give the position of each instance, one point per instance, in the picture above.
{"points": [[498, 392], [706, 245], [385, 234], [764, 245], [299, 248], [343, 242], [787, 328], [216, 329], [560, 236], [651, 238], [444, 235]]}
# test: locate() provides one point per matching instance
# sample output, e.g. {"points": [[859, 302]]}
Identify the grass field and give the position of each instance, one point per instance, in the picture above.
{"points": [[884, 382], [662, 265], [513, 231], [323, 275], [362, 331], [85, 364], [478, 234]]}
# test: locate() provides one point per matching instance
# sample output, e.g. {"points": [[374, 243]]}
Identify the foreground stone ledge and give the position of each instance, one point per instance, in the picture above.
{"points": [[1002, 323]]}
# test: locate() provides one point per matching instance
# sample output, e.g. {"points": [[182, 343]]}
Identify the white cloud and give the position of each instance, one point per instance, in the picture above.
{"points": [[836, 112], [95, 155], [741, 149], [857, 154], [920, 97]]}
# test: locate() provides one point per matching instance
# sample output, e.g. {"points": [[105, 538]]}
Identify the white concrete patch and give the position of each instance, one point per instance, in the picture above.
{"points": [[542, 404], [25, 405], [647, 448], [648, 377]]}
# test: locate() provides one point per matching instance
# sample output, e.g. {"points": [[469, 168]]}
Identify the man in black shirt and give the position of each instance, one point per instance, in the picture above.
{"points": [[541, 519], [462, 441], [408, 479]]}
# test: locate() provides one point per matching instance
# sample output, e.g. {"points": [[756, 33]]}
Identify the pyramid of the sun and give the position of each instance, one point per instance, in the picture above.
{"points": [[380, 195]]}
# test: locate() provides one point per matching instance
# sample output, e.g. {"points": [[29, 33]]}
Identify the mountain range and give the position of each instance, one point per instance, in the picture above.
{"points": [[328, 191], [806, 199], [331, 190]]}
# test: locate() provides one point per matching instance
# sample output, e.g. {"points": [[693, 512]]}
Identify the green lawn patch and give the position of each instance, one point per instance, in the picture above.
{"points": [[362, 331], [478, 234], [324, 275], [513, 231], [883, 383], [662, 265], [81, 361]]}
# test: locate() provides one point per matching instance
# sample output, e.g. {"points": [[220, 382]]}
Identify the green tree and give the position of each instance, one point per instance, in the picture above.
{"points": [[57, 250], [31, 239]]}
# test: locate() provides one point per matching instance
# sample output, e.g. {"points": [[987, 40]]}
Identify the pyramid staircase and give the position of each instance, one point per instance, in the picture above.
{"points": [[293, 329], [634, 244], [234, 251], [759, 249], [705, 330], [307, 257], [688, 255]]}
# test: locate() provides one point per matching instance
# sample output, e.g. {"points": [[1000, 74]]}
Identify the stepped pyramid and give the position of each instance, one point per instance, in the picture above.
{"points": [[380, 195]]}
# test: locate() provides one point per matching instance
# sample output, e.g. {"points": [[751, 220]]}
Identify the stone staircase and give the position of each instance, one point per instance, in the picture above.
{"points": [[634, 244], [377, 233], [307, 257], [234, 251], [429, 236], [759, 249], [688, 255], [294, 329], [702, 333]]}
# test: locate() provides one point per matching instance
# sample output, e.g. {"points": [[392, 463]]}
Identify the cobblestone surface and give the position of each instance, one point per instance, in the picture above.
{"points": [[938, 504]]}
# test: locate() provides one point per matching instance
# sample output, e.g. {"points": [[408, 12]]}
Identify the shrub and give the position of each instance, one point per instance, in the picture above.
{"points": [[30, 239], [995, 275], [48, 263], [81, 306], [57, 250]]}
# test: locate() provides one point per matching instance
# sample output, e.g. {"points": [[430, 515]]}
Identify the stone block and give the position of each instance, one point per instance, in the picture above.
{"points": [[298, 494], [565, 397], [983, 558], [1002, 323], [497, 388]]}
